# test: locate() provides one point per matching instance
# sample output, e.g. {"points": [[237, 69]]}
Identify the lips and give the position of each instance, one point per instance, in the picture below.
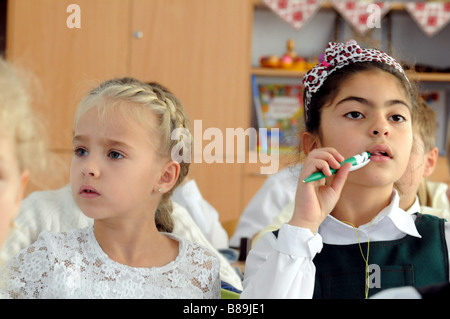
{"points": [[380, 153], [88, 191]]}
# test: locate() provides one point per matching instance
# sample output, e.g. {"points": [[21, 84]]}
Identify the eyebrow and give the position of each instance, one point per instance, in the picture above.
{"points": [[111, 143], [367, 102]]}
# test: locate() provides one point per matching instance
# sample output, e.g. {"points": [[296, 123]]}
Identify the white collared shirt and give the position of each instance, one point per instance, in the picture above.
{"points": [[283, 268]]}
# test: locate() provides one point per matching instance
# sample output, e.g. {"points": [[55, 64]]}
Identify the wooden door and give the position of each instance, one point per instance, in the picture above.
{"points": [[200, 49]]}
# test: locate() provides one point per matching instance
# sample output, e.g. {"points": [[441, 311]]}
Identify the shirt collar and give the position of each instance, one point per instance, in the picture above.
{"points": [[390, 224], [402, 219]]}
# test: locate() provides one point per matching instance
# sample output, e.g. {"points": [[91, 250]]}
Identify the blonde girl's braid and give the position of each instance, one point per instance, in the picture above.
{"points": [[170, 114], [174, 118]]}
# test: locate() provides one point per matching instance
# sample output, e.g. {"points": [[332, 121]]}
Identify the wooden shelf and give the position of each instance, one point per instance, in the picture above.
{"points": [[429, 77], [416, 76], [276, 72]]}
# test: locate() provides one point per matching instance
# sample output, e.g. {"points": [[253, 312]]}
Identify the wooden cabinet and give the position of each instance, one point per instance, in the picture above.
{"points": [[200, 49]]}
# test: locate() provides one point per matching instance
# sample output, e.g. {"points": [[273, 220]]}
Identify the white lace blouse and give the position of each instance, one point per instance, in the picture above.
{"points": [[73, 265]]}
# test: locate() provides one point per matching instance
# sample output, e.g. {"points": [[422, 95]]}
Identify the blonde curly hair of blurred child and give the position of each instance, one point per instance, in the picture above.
{"points": [[21, 132]]}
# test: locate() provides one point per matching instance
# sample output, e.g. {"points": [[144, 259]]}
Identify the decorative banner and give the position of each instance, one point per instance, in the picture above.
{"points": [[294, 12], [430, 16], [362, 15]]}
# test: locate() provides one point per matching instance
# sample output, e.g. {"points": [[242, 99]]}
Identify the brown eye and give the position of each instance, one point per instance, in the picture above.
{"points": [[398, 118], [354, 115]]}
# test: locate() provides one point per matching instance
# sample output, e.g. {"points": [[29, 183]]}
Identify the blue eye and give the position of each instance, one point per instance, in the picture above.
{"points": [[115, 155], [80, 152]]}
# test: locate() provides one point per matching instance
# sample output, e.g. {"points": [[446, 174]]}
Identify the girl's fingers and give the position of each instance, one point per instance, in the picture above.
{"points": [[330, 155], [322, 160], [341, 176]]}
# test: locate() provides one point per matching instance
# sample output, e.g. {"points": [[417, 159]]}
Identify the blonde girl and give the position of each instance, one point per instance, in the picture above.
{"points": [[20, 142], [122, 175], [348, 237]]}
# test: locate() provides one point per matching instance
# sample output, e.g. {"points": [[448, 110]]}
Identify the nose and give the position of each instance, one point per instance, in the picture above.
{"points": [[90, 169], [379, 128], [376, 132]]}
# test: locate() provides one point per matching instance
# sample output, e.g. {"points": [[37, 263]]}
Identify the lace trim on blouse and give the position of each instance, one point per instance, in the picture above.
{"points": [[73, 265]]}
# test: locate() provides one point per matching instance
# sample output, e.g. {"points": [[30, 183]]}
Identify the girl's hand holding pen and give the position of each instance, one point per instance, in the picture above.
{"points": [[315, 200]]}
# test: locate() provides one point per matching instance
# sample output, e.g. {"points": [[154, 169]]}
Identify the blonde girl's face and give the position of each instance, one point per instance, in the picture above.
{"points": [[114, 170], [371, 112], [12, 185]]}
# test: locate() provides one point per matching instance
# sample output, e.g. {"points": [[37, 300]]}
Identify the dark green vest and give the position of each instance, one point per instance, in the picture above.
{"points": [[410, 261]]}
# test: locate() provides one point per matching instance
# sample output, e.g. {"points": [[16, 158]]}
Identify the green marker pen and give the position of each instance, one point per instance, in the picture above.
{"points": [[357, 162]]}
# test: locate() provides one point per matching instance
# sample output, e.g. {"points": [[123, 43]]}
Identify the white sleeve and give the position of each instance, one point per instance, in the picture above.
{"points": [[203, 213], [282, 267], [277, 192]]}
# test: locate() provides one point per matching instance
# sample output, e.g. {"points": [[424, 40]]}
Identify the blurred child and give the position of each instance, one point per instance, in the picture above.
{"points": [[122, 176], [22, 149], [417, 193]]}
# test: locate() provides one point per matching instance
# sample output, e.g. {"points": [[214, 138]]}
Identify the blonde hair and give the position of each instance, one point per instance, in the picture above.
{"points": [[425, 123], [136, 100], [18, 120]]}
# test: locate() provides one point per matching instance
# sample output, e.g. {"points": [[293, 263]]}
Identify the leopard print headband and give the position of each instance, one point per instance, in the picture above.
{"points": [[336, 56]]}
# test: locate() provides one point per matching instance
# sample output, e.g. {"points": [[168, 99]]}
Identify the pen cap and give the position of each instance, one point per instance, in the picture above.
{"points": [[361, 158], [357, 159]]}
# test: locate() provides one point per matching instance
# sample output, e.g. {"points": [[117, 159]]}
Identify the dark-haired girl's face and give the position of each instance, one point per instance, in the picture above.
{"points": [[370, 112]]}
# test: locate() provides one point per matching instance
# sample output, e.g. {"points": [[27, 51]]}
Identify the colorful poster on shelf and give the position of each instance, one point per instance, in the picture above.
{"points": [[431, 17], [294, 12], [279, 105], [362, 15]]}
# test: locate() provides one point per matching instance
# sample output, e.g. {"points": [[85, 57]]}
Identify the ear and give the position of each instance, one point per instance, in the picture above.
{"points": [[309, 142], [430, 161], [169, 176]]}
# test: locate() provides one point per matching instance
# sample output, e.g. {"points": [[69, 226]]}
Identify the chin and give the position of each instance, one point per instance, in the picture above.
{"points": [[373, 180], [90, 211]]}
